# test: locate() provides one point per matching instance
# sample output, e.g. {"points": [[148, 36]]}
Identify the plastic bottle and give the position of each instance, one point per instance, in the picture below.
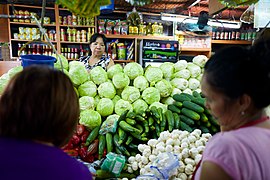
{"points": [[149, 29], [155, 29], [160, 29]]}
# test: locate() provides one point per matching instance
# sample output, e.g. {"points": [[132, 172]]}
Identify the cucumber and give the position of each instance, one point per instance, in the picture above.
{"points": [[173, 108], [139, 137], [146, 126], [131, 114], [204, 118], [204, 129], [154, 112], [128, 128], [133, 146], [199, 101], [214, 129], [178, 104], [150, 121], [123, 116], [163, 122], [139, 117], [129, 140], [92, 136], [207, 124], [122, 135], [196, 94], [170, 120], [101, 145], [139, 127], [181, 97], [109, 142], [187, 95], [187, 120], [193, 106], [130, 121], [118, 146], [185, 127], [176, 120], [213, 121], [191, 114], [157, 129]]}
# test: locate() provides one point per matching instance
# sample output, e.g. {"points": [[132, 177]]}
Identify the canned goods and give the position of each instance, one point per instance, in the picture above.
{"points": [[47, 20], [28, 30], [15, 36], [21, 30]]}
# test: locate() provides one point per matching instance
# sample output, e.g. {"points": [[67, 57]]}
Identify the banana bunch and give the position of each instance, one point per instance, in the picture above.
{"points": [[84, 8], [134, 19]]}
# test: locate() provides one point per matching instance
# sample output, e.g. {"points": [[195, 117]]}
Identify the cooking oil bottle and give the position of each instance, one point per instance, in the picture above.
{"points": [[155, 28], [149, 30], [160, 29]]}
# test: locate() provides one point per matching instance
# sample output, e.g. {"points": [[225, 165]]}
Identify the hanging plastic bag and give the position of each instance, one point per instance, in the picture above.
{"points": [[248, 15]]}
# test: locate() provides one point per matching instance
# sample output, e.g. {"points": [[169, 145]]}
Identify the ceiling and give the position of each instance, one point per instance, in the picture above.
{"points": [[168, 6]]}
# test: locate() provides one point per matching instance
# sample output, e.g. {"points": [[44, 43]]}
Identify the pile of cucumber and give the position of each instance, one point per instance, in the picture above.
{"points": [[189, 113]]}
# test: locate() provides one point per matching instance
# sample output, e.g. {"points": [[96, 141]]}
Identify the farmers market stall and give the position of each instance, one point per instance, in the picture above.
{"points": [[138, 123]]}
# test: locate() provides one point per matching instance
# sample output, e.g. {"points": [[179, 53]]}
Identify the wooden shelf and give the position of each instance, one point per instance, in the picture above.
{"points": [[241, 42], [70, 42], [28, 40], [82, 26], [195, 49], [30, 24], [139, 37], [123, 61], [27, 6]]}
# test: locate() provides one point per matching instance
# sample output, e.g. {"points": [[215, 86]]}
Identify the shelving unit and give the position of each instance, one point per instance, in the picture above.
{"points": [[237, 42]]}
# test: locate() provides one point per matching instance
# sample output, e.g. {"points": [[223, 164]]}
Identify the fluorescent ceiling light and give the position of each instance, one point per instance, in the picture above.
{"points": [[194, 20]]}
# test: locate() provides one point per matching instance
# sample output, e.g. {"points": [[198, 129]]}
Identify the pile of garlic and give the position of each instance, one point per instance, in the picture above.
{"points": [[187, 146]]}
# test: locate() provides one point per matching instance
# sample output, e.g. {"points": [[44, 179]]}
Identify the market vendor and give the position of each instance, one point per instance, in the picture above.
{"points": [[98, 54]]}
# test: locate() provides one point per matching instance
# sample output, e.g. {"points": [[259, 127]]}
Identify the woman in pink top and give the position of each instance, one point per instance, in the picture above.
{"points": [[236, 84]]}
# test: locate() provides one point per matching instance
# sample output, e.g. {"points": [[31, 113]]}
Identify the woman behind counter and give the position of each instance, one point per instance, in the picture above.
{"points": [[98, 56]]}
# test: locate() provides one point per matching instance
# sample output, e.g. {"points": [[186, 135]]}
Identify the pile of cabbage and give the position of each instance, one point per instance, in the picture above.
{"points": [[107, 94]]}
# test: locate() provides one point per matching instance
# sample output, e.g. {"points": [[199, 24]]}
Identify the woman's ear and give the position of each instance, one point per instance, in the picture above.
{"points": [[245, 102]]}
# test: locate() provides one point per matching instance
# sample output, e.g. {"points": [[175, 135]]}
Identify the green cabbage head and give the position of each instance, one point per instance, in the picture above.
{"points": [[64, 60], [106, 90], [88, 89], [139, 106], [158, 104], [133, 70], [14, 71], [77, 73], [121, 106], [120, 80], [130, 94], [116, 98], [167, 69], [98, 75], [90, 118], [164, 87], [141, 83], [151, 95], [153, 75], [105, 107], [117, 68], [87, 102]]}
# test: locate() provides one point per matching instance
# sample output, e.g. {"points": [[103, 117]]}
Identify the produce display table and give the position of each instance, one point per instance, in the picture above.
{"points": [[7, 65]]}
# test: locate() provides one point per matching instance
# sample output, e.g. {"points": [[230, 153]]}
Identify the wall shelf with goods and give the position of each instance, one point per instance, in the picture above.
{"points": [[59, 23], [237, 42]]}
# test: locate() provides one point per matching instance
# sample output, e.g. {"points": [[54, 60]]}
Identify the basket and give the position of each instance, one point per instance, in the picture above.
{"points": [[28, 60]]}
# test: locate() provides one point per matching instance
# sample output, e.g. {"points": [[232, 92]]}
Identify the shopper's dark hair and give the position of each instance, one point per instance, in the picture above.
{"points": [[239, 70], [98, 35], [39, 104]]}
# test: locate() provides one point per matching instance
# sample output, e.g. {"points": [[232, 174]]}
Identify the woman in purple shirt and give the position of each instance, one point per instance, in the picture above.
{"points": [[39, 112], [236, 84]]}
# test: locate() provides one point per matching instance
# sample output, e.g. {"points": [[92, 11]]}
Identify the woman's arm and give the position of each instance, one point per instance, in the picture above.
{"points": [[212, 171], [111, 63]]}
